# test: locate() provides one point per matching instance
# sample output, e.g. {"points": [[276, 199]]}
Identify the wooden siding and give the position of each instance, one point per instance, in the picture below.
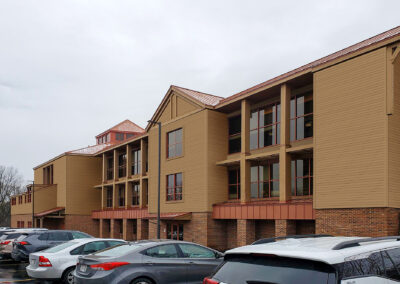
{"points": [[349, 134]]}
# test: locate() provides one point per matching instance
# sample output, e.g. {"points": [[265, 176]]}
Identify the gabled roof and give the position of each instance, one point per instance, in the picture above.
{"points": [[89, 150], [124, 126], [341, 53]]}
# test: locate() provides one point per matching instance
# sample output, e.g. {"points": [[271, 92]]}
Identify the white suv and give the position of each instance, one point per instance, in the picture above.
{"points": [[312, 259]]}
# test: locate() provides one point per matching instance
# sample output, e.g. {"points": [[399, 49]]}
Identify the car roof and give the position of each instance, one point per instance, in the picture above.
{"points": [[324, 249], [85, 240]]}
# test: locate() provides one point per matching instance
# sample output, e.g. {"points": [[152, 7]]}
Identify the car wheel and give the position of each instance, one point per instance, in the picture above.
{"points": [[68, 278], [142, 281]]}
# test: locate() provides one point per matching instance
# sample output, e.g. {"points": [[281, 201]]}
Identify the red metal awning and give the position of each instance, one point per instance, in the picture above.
{"points": [[138, 213], [172, 216], [50, 211]]}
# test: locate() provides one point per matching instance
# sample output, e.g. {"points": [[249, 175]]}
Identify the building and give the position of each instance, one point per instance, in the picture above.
{"points": [[64, 197], [314, 150]]}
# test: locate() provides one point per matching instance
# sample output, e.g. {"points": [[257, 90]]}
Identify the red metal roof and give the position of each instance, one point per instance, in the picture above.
{"points": [[90, 150], [207, 99], [124, 126], [47, 212], [134, 213], [346, 51]]}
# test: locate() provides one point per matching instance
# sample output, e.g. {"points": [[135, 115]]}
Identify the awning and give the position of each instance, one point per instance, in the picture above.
{"points": [[50, 211], [184, 216]]}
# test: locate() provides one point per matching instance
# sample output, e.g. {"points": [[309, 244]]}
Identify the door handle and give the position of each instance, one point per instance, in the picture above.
{"points": [[149, 263], [191, 262]]}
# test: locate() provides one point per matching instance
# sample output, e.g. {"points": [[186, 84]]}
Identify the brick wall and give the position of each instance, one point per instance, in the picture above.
{"points": [[285, 227], [104, 229], [83, 223], [264, 229], [142, 229], [373, 222], [231, 231], [305, 227], [245, 232]]}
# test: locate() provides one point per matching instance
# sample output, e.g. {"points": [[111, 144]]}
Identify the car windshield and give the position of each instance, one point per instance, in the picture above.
{"points": [[60, 247], [273, 269], [12, 236], [118, 250]]}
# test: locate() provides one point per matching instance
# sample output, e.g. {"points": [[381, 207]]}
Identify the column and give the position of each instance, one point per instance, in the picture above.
{"points": [[284, 158], [285, 228], [127, 230], [245, 149], [104, 228], [245, 232], [128, 160], [143, 158], [142, 229], [104, 173], [102, 198], [115, 164]]}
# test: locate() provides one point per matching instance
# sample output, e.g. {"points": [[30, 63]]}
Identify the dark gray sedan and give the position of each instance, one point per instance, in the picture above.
{"points": [[149, 262]]}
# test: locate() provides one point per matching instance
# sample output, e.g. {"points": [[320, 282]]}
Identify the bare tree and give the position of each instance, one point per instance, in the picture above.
{"points": [[10, 184]]}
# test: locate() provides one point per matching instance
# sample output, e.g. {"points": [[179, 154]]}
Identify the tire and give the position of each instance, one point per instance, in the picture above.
{"points": [[142, 281], [67, 277]]}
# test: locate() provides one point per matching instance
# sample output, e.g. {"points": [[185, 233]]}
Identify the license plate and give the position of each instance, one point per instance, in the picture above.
{"points": [[83, 268], [32, 262]]}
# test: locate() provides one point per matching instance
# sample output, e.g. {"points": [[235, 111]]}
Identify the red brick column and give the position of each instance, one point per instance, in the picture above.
{"points": [[245, 232], [127, 230], [285, 227], [116, 229], [142, 229]]}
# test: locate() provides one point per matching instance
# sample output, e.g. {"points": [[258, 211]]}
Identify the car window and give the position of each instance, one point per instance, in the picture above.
{"points": [[12, 236], [114, 243], [391, 259], [58, 236], [77, 251], [60, 247], [43, 237], [80, 235], [119, 250], [193, 251], [93, 247], [264, 269], [163, 251]]}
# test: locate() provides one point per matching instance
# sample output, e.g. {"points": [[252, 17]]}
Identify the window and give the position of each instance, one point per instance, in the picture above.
{"points": [[175, 231], [129, 135], [93, 247], [301, 117], [20, 199], [234, 183], [14, 201], [29, 224], [48, 175], [43, 237], [136, 161], [265, 180], [110, 168], [163, 251], [265, 126], [193, 251], [174, 187], [119, 136], [98, 140], [59, 236], [109, 197], [22, 224], [122, 165], [174, 143], [108, 137], [79, 235], [235, 128], [135, 194], [302, 176], [121, 195]]}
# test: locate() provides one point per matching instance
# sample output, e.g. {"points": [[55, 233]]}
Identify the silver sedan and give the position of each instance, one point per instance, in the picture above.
{"points": [[149, 262]]}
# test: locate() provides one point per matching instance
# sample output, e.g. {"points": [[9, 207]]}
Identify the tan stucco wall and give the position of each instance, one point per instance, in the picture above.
{"points": [[350, 133]]}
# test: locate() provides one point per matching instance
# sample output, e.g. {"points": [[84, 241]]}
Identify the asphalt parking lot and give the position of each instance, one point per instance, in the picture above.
{"points": [[14, 272]]}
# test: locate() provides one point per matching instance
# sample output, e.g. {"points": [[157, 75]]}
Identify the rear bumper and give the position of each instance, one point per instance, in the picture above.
{"points": [[48, 273], [94, 279]]}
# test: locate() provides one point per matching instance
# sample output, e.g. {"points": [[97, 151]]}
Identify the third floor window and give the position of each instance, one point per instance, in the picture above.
{"points": [[48, 175], [301, 117], [136, 161], [235, 126], [110, 168], [265, 126], [174, 142], [122, 165], [302, 176]]}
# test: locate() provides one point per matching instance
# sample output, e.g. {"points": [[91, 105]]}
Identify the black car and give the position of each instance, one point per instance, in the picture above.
{"points": [[37, 241]]}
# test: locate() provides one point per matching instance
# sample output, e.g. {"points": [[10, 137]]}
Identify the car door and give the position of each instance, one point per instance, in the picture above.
{"points": [[165, 263], [200, 261]]}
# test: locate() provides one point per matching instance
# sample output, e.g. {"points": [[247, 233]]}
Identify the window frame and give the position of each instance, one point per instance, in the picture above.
{"points": [[270, 180], [135, 194], [174, 188], [234, 135], [310, 176], [296, 117], [237, 184], [170, 230], [110, 169], [109, 198], [122, 166], [121, 198], [175, 144], [136, 162], [259, 128]]}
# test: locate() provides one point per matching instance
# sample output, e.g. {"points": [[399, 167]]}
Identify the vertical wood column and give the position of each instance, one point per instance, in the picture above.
{"points": [[102, 197], [143, 158], [104, 175], [128, 173], [284, 158], [115, 173], [115, 153], [245, 149]]}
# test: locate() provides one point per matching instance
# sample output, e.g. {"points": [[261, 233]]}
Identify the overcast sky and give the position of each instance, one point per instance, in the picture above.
{"points": [[71, 69]]}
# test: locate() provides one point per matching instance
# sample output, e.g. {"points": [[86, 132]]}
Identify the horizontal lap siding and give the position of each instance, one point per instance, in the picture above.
{"points": [[350, 139]]}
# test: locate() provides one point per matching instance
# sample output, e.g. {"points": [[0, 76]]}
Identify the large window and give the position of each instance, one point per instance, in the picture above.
{"points": [[48, 175], [302, 176], [136, 161], [174, 187], [235, 126], [301, 117], [121, 195], [234, 183], [122, 165], [110, 168], [265, 126], [109, 198], [135, 194], [175, 231], [174, 143], [119, 136], [265, 180]]}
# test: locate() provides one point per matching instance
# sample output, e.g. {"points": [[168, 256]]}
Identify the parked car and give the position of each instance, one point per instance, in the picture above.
{"points": [[59, 261], [37, 241], [7, 242], [312, 260], [149, 262]]}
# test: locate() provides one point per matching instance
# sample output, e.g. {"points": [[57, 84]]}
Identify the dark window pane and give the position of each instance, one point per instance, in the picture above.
{"points": [[264, 189], [267, 116], [267, 136], [233, 192], [308, 126], [181, 232], [232, 176], [234, 125], [234, 144], [293, 175], [308, 106], [253, 139]]}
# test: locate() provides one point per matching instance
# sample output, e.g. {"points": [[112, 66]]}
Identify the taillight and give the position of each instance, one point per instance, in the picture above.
{"points": [[5, 243], [44, 262], [24, 243], [108, 265], [209, 281]]}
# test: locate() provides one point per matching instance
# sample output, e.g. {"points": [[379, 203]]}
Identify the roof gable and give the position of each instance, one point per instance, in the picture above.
{"points": [[124, 126]]}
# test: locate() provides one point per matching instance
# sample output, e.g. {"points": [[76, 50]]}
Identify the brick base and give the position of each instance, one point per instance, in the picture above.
{"points": [[371, 222], [83, 223]]}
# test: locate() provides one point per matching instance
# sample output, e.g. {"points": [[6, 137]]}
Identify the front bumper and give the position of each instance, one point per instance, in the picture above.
{"points": [[43, 272]]}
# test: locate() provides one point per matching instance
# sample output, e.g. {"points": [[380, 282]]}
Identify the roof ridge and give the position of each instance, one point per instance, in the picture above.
{"points": [[197, 91]]}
